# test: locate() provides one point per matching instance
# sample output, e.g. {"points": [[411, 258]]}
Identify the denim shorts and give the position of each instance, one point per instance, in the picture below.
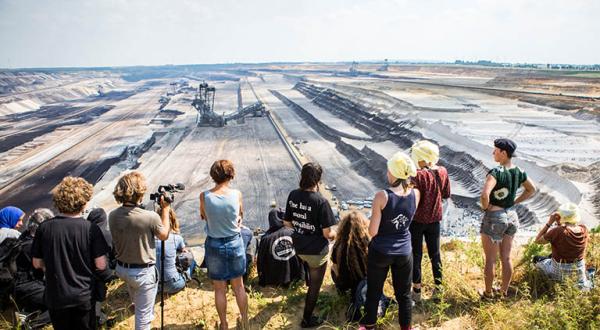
{"points": [[225, 257], [496, 224]]}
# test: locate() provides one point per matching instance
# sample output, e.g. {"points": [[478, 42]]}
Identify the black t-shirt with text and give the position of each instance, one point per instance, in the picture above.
{"points": [[68, 247], [309, 212]]}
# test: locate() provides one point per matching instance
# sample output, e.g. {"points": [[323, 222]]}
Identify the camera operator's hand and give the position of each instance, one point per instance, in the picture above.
{"points": [[165, 209], [163, 203]]}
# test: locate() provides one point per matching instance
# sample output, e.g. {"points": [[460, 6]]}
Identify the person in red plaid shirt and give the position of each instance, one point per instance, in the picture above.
{"points": [[433, 183]]}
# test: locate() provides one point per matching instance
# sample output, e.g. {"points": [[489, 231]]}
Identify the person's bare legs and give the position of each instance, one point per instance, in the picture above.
{"points": [[241, 298], [490, 250], [507, 269], [221, 302]]}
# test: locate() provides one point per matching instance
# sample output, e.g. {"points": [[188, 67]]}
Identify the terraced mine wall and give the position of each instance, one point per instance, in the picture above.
{"points": [[360, 159], [462, 167], [9, 142]]}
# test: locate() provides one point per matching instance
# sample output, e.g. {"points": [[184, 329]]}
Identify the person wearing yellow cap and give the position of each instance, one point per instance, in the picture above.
{"points": [[433, 183], [500, 221], [390, 247], [568, 240]]}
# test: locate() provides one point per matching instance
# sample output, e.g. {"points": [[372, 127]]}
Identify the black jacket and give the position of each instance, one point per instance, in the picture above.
{"points": [[277, 262]]}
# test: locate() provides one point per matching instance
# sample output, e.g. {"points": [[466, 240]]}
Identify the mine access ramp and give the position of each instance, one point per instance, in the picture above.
{"points": [[204, 103]]}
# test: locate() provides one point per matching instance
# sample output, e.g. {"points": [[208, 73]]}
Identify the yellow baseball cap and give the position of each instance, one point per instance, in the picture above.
{"points": [[401, 166], [569, 213], [426, 151]]}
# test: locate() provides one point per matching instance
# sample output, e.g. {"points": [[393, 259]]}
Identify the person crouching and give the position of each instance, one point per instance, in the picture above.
{"points": [[569, 241]]}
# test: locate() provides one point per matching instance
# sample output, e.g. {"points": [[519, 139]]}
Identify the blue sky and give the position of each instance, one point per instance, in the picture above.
{"points": [[38, 33]]}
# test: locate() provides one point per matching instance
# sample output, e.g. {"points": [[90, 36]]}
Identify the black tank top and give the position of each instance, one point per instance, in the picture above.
{"points": [[393, 236]]}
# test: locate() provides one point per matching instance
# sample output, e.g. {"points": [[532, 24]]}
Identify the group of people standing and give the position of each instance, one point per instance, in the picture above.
{"points": [[72, 252]]}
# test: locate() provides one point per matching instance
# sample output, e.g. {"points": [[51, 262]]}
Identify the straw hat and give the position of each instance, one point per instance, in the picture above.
{"points": [[401, 166], [569, 213], [426, 151]]}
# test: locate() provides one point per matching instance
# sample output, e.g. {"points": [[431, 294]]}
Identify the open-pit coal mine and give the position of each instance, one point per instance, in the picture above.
{"points": [[172, 125]]}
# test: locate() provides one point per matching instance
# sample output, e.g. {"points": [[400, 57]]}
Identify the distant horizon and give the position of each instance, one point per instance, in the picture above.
{"points": [[345, 62]]}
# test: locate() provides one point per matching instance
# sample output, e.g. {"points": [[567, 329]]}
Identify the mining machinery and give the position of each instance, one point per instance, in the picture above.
{"points": [[204, 103], [353, 70], [385, 66]]}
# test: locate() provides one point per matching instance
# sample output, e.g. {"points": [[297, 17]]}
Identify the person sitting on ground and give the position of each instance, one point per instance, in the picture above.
{"points": [[174, 280], [568, 240], [133, 230], [349, 253], [390, 248], [29, 283], [276, 214], [222, 209], [98, 217], [500, 220], [11, 219], [433, 183], [311, 217], [71, 251], [277, 263]]}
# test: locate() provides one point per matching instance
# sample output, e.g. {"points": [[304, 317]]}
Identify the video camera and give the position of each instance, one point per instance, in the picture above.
{"points": [[167, 191]]}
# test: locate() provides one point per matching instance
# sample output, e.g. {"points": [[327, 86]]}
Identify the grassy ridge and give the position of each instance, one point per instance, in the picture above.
{"points": [[537, 303]]}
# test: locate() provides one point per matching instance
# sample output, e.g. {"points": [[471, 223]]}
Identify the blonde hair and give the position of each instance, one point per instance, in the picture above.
{"points": [[130, 188], [174, 221], [72, 194]]}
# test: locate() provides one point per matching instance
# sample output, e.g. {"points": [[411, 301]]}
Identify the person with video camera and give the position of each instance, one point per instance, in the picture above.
{"points": [[133, 230], [221, 208]]}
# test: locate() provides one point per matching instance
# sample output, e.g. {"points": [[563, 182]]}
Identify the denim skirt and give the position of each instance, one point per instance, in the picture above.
{"points": [[225, 257]]}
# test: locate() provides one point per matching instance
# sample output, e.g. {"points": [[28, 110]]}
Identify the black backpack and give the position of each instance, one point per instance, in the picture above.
{"points": [[10, 249]]}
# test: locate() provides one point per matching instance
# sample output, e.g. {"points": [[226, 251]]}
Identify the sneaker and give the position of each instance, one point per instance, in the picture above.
{"points": [[416, 296], [314, 321]]}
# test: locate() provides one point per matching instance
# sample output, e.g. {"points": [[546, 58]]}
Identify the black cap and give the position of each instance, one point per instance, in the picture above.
{"points": [[507, 145]]}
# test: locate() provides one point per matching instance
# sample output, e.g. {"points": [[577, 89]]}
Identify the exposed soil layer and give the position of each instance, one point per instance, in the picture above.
{"points": [[51, 113], [461, 166], [587, 174]]}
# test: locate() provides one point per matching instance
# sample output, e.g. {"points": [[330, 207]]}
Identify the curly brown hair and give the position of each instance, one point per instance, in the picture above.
{"points": [[222, 171], [130, 188], [72, 194], [352, 240]]}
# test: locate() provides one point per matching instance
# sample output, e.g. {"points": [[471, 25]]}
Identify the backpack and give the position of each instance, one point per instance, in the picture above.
{"points": [[183, 261], [10, 249], [356, 310]]}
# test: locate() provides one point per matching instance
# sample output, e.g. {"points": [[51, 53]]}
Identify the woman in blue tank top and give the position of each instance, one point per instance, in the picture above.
{"points": [[390, 248], [225, 255]]}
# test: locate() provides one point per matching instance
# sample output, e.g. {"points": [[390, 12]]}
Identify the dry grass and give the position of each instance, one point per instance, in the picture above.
{"points": [[538, 303]]}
